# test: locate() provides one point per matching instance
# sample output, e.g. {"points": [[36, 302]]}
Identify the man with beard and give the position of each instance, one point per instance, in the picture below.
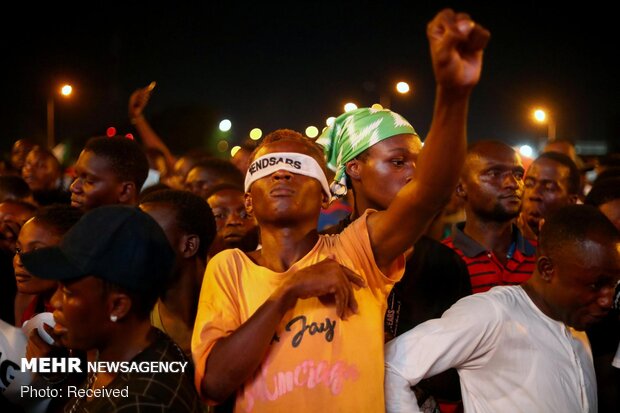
{"points": [[495, 251], [551, 182]]}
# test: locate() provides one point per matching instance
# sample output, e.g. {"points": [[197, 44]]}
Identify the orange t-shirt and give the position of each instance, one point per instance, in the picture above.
{"points": [[316, 362]]}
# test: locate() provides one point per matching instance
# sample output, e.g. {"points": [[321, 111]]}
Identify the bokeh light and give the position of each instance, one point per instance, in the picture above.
{"points": [[350, 106], [312, 131], [256, 134], [222, 146], [526, 150], [225, 125], [402, 87]]}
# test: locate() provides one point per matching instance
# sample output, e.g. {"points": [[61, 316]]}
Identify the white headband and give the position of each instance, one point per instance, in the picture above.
{"points": [[294, 162]]}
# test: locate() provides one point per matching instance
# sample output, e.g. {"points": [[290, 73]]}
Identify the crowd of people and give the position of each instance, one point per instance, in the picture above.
{"points": [[318, 275]]}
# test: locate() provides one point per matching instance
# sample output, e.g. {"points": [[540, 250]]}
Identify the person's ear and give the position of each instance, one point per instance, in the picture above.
{"points": [[247, 200], [545, 268], [119, 305], [127, 192], [189, 245], [354, 169], [460, 190]]}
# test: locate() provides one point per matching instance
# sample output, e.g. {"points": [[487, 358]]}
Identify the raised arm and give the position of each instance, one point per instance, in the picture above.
{"points": [[456, 45], [137, 102]]}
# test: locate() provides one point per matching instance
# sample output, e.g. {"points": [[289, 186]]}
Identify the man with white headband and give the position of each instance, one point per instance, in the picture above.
{"points": [[298, 325]]}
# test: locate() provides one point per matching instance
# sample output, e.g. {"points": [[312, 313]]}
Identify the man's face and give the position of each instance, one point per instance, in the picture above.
{"points": [[546, 186], [385, 168], [232, 221], [583, 282], [40, 171], [95, 183], [12, 218], [80, 311], [492, 184], [284, 197], [176, 180], [33, 235], [199, 180]]}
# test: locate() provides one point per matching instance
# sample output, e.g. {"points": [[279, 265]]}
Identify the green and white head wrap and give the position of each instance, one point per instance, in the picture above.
{"points": [[352, 133]]}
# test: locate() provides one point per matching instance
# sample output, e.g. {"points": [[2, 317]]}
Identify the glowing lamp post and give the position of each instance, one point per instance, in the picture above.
{"points": [[66, 91], [541, 116]]}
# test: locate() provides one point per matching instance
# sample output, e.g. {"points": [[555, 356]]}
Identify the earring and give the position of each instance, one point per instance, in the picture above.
{"points": [[113, 318]]}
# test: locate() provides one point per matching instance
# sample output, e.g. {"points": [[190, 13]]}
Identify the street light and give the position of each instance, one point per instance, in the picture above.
{"points": [[542, 116], [66, 91], [401, 87]]}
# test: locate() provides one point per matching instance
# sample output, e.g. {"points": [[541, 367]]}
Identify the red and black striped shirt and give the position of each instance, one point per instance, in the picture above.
{"points": [[485, 269]]}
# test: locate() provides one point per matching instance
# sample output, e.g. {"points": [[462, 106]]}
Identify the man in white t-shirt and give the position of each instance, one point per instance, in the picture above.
{"points": [[521, 348]]}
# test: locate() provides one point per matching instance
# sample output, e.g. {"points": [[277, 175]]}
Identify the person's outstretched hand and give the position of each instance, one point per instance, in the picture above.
{"points": [[139, 99]]}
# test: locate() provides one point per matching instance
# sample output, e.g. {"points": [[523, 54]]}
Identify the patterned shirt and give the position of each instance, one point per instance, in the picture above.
{"points": [[148, 392], [485, 269]]}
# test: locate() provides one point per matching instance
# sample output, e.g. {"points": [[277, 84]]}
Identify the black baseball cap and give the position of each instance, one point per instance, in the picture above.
{"points": [[120, 244]]}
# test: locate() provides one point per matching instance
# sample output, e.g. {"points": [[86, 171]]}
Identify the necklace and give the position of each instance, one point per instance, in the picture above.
{"points": [[90, 383]]}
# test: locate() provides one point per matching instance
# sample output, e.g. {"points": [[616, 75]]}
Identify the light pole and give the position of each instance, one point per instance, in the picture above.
{"points": [[65, 91], [542, 116]]}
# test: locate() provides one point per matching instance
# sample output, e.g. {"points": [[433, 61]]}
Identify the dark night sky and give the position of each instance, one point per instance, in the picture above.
{"points": [[294, 65]]}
